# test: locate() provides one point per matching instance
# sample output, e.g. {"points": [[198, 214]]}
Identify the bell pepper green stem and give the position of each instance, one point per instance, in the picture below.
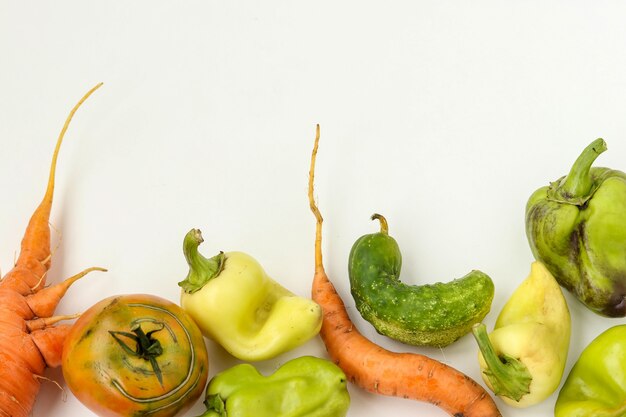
{"points": [[215, 405], [384, 227], [508, 376], [578, 184], [201, 269]]}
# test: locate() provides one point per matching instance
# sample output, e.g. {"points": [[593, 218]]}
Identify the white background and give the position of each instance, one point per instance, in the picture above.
{"points": [[443, 116]]}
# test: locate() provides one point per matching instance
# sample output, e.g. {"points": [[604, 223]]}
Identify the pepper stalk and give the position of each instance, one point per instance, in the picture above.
{"points": [[509, 377], [578, 186]]}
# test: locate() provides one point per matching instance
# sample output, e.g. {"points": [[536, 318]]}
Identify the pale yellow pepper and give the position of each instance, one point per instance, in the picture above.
{"points": [[236, 304], [523, 359]]}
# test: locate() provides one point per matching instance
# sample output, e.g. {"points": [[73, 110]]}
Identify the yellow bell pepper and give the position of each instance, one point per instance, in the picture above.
{"points": [[236, 304]]}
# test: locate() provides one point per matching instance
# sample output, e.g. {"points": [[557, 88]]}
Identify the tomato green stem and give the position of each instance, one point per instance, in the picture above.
{"points": [[509, 377], [146, 347], [384, 227]]}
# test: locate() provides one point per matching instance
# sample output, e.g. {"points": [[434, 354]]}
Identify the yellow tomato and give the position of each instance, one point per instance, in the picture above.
{"points": [[135, 355]]}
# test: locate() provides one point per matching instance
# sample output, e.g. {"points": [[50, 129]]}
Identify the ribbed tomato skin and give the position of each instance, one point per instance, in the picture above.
{"points": [[113, 382]]}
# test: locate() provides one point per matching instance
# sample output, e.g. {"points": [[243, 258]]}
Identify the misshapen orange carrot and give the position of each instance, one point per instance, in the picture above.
{"points": [[379, 370], [29, 339]]}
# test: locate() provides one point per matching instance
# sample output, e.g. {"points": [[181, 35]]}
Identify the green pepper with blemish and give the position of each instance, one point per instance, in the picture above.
{"points": [[423, 315], [303, 387], [576, 226], [596, 385]]}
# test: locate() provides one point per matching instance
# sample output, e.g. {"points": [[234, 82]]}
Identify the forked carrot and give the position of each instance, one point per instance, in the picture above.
{"points": [[378, 370], [30, 339]]}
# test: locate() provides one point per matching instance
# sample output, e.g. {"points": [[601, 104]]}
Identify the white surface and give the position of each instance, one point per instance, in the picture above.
{"points": [[443, 116]]}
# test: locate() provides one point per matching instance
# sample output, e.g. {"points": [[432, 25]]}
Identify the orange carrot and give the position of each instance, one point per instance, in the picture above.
{"points": [[29, 339], [381, 371]]}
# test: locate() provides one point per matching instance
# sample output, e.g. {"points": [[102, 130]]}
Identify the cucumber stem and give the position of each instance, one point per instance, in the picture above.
{"points": [[578, 183], [508, 376], [384, 227]]}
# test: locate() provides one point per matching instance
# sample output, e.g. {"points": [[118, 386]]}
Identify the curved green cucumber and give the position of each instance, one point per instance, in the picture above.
{"points": [[422, 315]]}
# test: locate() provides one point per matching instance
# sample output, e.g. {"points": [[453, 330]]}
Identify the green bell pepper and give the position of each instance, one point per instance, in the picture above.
{"points": [[235, 303], [596, 385], [576, 226], [302, 387]]}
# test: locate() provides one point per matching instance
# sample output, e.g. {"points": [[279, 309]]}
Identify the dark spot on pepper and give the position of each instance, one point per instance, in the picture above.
{"points": [[459, 415], [584, 205], [537, 214], [617, 301], [574, 243]]}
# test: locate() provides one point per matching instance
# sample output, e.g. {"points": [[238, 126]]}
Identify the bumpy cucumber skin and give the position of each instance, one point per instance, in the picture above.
{"points": [[422, 315]]}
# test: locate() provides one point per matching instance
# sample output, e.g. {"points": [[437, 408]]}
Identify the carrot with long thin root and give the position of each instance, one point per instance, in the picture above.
{"points": [[381, 371], [30, 338]]}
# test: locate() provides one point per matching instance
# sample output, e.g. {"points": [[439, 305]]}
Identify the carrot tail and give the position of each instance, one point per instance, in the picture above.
{"points": [[44, 302], [43, 322], [35, 247], [50, 341], [319, 265]]}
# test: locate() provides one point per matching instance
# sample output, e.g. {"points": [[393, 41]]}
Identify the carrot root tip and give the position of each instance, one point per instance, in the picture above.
{"points": [[42, 279], [63, 392]]}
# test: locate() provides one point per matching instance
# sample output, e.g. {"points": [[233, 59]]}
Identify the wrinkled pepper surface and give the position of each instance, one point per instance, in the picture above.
{"points": [[302, 387], [576, 226], [523, 359], [596, 385], [236, 304]]}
